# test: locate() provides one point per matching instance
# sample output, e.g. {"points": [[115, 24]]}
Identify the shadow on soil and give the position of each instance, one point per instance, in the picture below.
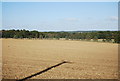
{"points": [[43, 71]]}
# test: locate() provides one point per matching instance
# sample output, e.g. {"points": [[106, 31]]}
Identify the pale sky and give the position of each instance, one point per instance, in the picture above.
{"points": [[60, 16]]}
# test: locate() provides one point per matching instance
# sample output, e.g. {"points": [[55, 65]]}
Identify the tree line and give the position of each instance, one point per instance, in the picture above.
{"points": [[105, 36]]}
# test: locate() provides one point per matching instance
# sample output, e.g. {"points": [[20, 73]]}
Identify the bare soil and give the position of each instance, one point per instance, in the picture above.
{"points": [[92, 60]]}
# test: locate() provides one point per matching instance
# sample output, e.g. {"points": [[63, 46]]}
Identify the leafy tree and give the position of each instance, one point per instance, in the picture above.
{"points": [[95, 38], [117, 37], [107, 36]]}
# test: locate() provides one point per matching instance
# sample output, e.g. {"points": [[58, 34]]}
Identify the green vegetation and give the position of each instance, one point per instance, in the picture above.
{"points": [[105, 36]]}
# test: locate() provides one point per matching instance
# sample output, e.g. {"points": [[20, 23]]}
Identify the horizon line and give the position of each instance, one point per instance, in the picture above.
{"points": [[59, 30]]}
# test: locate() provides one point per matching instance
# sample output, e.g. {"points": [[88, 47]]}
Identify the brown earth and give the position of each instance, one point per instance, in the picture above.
{"points": [[92, 60], [0, 59]]}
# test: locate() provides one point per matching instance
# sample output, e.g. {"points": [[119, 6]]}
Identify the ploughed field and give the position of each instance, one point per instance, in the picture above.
{"points": [[91, 60]]}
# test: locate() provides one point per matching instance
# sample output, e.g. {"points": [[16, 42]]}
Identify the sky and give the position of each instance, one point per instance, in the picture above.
{"points": [[60, 16], [0, 15]]}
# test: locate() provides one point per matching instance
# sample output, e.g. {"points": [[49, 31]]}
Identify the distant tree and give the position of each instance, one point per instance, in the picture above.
{"points": [[95, 38], [117, 37], [0, 34], [106, 36], [88, 36]]}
